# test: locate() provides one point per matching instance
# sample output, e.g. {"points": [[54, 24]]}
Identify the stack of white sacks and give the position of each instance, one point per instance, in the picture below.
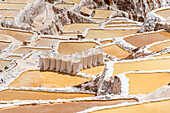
{"points": [[71, 63]]}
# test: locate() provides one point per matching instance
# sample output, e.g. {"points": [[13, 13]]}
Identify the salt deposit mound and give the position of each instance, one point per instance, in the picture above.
{"points": [[168, 20], [162, 92]]}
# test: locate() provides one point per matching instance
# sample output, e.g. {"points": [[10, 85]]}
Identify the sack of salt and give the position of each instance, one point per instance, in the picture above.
{"points": [[53, 62], [100, 56], [76, 65], [58, 62], [46, 62], [94, 61]]}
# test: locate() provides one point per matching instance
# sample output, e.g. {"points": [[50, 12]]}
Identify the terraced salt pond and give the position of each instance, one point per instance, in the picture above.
{"points": [[143, 83], [160, 46], [98, 33], [115, 50], [103, 13], [71, 34], [4, 63], [105, 41], [9, 12], [19, 35], [25, 50], [164, 13], [62, 5], [151, 107], [145, 39], [118, 26], [94, 70], [12, 5], [120, 23], [146, 65], [28, 1], [163, 55], [73, 1], [9, 95], [72, 47], [14, 57], [46, 42], [80, 26], [119, 20], [9, 18], [47, 79], [99, 19], [4, 45], [72, 107]]}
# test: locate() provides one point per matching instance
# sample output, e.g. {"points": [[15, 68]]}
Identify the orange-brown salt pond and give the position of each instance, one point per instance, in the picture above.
{"points": [[164, 13], [163, 55], [72, 47], [151, 107], [14, 57], [146, 65], [117, 26], [102, 13], [94, 70], [99, 19], [72, 107], [9, 12], [9, 18], [80, 26], [119, 20], [143, 83], [120, 23], [71, 34], [46, 42], [47, 79], [19, 35], [160, 46], [25, 50], [4, 63], [115, 50], [145, 39], [106, 41], [4, 45], [12, 5], [73, 1], [98, 33], [28, 1], [67, 6], [9, 95]]}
